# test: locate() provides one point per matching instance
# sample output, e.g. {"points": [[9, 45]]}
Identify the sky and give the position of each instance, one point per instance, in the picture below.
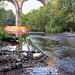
{"points": [[27, 6]]}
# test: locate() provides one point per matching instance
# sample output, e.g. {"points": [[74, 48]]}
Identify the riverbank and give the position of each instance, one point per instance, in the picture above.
{"points": [[12, 60], [13, 63]]}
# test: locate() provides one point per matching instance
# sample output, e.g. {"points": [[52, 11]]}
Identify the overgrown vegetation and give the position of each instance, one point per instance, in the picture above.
{"points": [[3, 34], [57, 16], [8, 18], [3, 21]]}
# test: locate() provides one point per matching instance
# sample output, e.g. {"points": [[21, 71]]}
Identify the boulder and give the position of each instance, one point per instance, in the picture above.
{"points": [[19, 65]]}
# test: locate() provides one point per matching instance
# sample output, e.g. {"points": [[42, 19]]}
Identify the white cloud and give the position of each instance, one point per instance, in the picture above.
{"points": [[30, 5], [9, 5]]}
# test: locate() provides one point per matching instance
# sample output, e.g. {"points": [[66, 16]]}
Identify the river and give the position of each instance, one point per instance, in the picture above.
{"points": [[60, 47]]}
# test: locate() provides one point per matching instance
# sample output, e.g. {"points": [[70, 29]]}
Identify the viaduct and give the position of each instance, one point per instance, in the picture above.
{"points": [[18, 6]]}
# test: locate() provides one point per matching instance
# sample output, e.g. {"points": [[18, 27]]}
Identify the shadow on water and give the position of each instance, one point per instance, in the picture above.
{"points": [[59, 47]]}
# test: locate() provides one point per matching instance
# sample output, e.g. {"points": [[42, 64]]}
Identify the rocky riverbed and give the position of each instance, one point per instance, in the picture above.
{"points": [[15, 60], [15, 63]]}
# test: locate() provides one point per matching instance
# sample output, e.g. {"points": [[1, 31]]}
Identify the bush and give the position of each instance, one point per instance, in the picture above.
{"points": [[3, 34], [55, 29], [62, 21]]}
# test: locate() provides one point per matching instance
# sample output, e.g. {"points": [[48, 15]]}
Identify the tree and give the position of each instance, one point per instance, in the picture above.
{"points": [[8, 18], [63, 18], [37, 19], [1, 12], [57, 16], [3, 34]]}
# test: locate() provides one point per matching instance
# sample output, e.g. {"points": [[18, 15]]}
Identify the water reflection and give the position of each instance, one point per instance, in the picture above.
{"points": [[22, 45]]}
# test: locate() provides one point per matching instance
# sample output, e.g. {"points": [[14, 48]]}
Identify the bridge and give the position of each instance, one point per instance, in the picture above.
{"points": [[18, 6]]}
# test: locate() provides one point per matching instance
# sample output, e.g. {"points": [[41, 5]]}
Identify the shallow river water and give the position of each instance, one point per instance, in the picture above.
{"points": [[60, 47]]}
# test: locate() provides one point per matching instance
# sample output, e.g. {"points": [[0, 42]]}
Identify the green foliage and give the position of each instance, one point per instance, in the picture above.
{"points": [[55, 17], [1, 15], [8, 18], [55, 29], [64, 17], [3, 34], [36, 20]]}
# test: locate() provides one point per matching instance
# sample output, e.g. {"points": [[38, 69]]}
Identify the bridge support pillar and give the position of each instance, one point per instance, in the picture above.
{"points": [[17, 17], [18, 6], [18, 12]]}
